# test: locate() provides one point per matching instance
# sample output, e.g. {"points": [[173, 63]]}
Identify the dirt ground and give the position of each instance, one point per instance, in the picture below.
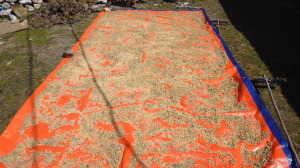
{"points": [[59, 12], [27, 59]]}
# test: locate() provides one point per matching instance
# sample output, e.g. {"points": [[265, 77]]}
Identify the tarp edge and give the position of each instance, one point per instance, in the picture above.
{"points": [[258, 101]]}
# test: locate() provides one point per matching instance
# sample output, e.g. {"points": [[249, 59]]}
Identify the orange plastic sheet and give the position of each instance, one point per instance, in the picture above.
{"points": [[95, 116]]}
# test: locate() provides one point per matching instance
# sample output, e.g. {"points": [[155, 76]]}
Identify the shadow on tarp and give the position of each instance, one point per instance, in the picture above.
{"points": [[107, 103], [273, 29]]}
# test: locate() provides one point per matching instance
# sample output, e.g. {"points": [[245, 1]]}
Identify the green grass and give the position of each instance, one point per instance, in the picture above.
{"points": [[36, 37], [21, 72], [59, 31], [85, 22], [13, 77], [167, 6]]}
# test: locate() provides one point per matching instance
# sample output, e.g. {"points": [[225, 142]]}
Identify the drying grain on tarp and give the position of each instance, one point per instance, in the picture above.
{"points": [[145, 89]]}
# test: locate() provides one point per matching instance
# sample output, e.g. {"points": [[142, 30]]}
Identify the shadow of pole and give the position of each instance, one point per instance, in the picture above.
{"points": [[101, 92], [30, 88], [29, 64]]}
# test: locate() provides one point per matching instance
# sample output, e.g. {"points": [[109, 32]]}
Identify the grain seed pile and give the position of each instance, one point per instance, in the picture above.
{"points": [[144, 89]]}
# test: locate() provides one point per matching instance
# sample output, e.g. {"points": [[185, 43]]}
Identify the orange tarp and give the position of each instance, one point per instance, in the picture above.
{"points": [[32, 134]]}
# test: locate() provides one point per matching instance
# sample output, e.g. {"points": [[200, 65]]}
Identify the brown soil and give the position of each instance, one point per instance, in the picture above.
{"points": [[148, 96], [58, 12]]}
